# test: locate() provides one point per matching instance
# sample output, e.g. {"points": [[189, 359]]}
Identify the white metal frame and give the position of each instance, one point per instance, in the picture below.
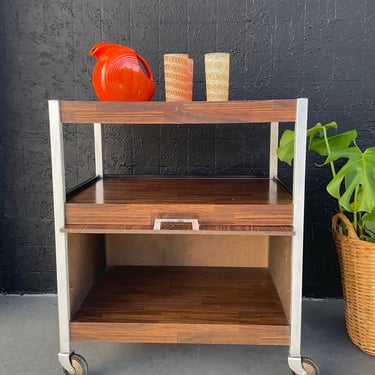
{"points": [[61, 239], [98, 146], [299, 169], [58, 177], [274, 140]]}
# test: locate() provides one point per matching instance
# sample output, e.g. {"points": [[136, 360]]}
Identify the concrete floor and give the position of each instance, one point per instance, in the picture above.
{"points": [[29, 345]]}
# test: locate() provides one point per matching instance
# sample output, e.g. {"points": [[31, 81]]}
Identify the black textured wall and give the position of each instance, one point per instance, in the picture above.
{"points": [[322, 49]]}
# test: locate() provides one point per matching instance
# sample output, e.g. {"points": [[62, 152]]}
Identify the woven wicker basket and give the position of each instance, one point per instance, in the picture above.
{"points": [[357, 265]]}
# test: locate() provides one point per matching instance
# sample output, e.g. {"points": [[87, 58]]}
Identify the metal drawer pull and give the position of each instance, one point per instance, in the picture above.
{"points": [[194, 222]]}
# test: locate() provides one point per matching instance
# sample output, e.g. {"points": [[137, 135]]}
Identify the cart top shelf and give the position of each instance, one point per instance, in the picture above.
{"points": [[215, 202], [257, 111]]}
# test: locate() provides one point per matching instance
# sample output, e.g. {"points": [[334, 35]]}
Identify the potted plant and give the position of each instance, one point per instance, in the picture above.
{"points": [[353, 227]]}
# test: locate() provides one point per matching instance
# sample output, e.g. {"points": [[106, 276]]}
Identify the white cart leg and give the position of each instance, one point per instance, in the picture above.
{"points": [[296, 362], [63, 300], [61, 241]]}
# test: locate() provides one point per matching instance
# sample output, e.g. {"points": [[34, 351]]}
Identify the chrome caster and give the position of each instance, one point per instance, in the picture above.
{"points": [[309, 366], [79, 364]]}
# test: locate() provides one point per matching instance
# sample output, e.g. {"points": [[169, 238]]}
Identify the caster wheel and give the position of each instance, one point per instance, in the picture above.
{"points": [[309, 366], [79, 364]]}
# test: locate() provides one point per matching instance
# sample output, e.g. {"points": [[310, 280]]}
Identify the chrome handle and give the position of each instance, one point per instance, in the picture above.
{"points": [[194, 222]]}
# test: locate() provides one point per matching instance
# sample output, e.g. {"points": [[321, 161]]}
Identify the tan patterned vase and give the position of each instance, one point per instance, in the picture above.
{"points": [[217, 76], [177, 81]]}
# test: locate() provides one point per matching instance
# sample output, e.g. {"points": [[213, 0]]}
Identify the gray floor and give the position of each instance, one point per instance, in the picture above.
{"points": [[29, 343]]}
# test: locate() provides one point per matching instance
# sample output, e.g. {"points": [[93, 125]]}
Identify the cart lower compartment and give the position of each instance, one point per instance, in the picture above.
{"points": [[226, 305]]}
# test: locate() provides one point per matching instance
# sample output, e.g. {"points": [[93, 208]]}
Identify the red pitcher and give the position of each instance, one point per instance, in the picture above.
{"points": [[118, 76]]}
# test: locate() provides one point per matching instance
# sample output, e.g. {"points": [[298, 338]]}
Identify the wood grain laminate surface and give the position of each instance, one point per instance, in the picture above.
{"points": [[241, 190], [213, 201], [182, 304], [254, 230], [179, 113]]}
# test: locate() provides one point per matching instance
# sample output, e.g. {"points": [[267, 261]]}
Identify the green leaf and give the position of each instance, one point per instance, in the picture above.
{"points": [[285, 152], [369, 228], [357, 173], [367, 223], [343, 153], [318, 129], [367, 238], [337, 142]]}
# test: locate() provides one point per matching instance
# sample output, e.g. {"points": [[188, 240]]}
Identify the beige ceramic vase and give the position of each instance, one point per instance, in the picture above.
{"points": [[217, 76]]}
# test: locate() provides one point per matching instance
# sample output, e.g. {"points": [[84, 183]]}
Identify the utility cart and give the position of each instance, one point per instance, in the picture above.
{"points": [[158, 259]]}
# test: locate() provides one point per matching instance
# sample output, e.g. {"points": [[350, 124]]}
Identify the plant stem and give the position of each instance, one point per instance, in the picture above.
{"points": [[360, 228], [333, 171], [355, 212]]}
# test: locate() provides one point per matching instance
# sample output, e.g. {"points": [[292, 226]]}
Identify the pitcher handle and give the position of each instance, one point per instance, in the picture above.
{"points": [[146, 66]]}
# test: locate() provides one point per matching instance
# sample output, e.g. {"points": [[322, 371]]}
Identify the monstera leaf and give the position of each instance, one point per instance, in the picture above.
{"points": [[337, 142], [317, 141], [368, 227], [354, 183], [316, 137], [285, 152]]}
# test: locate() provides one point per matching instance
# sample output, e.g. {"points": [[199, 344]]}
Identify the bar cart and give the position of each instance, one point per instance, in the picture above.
{"points": [[216, 260]]}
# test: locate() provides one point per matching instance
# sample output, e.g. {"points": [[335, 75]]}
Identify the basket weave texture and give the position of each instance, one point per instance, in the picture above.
{"points": [[357, 265]]}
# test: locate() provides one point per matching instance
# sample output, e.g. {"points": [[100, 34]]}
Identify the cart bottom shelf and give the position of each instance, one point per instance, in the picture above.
{"points": [[207, 305]]}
